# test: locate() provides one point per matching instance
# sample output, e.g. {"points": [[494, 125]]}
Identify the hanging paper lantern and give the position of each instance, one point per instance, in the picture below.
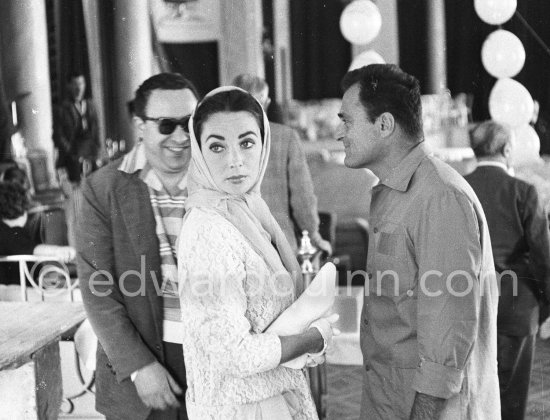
{"points": [[495, 12], [366, 58], [510, 103], [502, 54], [360, 22], [526, 145]]}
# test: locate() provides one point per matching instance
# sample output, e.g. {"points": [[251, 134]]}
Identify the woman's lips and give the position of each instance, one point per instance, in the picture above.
{"points": [[236, 179]]}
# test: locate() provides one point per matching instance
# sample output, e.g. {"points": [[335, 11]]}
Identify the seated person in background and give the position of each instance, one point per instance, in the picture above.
{"points": [[520, 240], [237, 273], [19, 176], [287, 187], [15, 239], [34, 219]]}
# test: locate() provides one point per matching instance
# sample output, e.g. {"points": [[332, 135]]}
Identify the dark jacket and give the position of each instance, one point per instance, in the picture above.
{"points": [[287, 187], [69, 136], [520, 240], [116, 234]]}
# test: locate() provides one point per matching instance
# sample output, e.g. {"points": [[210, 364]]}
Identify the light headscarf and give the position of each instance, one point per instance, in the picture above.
{"points": [[248, 212]]}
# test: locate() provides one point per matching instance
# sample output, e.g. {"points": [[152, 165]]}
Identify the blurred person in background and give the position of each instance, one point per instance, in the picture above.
{"points": [[518, 225], [75, 130], [287, 187], [35, 222], [15, 238]]}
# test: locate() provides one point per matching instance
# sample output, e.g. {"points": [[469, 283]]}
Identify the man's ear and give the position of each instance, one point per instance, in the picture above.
{"points": [[507, 150], [386, 124], [139, 125]]}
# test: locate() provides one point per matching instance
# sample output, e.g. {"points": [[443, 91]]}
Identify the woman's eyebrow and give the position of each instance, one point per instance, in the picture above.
{"points": [[247, 134], [215, 136]]}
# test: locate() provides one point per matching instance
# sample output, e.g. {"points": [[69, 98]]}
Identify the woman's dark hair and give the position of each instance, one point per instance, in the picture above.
{"points": [[16, 175], [13, 200], [227, 101], [162, 81], [387, 88]]}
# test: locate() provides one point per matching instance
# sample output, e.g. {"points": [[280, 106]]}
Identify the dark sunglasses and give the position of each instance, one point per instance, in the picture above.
{"points": [[168, 125]]}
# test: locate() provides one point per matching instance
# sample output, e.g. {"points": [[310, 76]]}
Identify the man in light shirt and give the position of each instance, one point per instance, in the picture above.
{"points": [[520, 238], [428, 326], [129, 219]]}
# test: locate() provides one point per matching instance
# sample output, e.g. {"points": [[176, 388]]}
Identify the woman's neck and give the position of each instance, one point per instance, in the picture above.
{"points": [[17, 222]]}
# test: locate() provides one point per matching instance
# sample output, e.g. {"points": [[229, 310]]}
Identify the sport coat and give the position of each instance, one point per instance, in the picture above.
{"points": [[287, 187], [119, 271], [68, 135], [520, 239]]}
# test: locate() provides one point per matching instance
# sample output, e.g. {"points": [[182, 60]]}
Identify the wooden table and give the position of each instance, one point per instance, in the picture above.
{"points": [[30, 367]]}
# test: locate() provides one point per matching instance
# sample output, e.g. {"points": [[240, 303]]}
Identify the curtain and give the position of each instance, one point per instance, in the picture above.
{"points": [[198, 62], [320, 54], [465, 36]]}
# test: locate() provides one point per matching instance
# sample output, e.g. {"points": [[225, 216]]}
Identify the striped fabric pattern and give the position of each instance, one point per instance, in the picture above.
{"points": [[169, 211]]}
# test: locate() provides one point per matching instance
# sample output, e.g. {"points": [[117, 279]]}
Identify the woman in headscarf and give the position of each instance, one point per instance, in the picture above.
{"points": [[237, 274]]}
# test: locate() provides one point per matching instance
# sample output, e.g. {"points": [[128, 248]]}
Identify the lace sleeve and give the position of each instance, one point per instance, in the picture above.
{"points": [[212, 271]]}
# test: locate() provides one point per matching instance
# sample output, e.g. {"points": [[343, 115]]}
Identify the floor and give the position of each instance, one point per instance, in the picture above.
{"points": [[344, 389]]}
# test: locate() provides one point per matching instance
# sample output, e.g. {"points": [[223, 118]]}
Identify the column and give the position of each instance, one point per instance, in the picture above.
{"points": [[283, 52], [132, 59], [241, 43], [24, 43], [437, 46]]}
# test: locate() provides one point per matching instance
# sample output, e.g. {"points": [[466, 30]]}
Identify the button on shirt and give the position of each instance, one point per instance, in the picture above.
{"points": [[429, 315]]}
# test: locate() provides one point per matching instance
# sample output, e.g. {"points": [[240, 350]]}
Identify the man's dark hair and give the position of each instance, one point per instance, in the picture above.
{"points": [[13, 200], [227, 101], [387, 88], [162, 81], [249, 82], [489, 138], [74, 74]]}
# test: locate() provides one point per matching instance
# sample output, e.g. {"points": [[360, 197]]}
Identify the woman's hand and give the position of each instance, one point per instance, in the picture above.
{"points": [[312, 340], [326, 329]]}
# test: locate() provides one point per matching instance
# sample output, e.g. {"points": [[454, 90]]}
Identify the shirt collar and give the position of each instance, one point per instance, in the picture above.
{"points": [[400, 177], [135, 160], [492, 163]]}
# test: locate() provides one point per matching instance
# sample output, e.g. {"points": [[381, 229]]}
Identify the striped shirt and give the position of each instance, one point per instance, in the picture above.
{"points": [[169, 211]]}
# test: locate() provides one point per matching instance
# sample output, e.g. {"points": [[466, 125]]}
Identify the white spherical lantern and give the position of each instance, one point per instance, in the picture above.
{"points": [[366, 58], [495, 12], [510, 103], [360, 22], [502, 54], [526, 145]]}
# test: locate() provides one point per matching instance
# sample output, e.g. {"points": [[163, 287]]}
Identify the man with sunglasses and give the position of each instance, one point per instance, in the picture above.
{"points": [[129, 220]]}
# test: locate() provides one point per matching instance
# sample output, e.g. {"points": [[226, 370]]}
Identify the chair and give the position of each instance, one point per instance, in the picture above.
{"points": [[50, 280]]}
